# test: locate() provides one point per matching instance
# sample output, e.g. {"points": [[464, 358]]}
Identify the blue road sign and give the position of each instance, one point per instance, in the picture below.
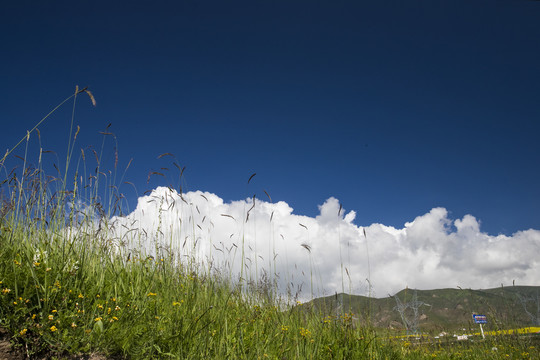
{"points": [[480, 319]]}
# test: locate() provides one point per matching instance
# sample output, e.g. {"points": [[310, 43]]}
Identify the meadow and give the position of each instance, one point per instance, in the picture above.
{"points": [[69, 287]]}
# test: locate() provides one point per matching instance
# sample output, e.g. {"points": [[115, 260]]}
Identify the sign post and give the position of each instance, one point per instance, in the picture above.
{"points": [[480, 319]]}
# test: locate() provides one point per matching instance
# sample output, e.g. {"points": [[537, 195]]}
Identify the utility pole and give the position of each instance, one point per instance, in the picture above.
{"points": [[411, 323]]}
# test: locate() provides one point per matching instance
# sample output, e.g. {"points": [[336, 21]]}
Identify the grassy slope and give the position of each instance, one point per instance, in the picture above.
{"points": [[65, 294]]}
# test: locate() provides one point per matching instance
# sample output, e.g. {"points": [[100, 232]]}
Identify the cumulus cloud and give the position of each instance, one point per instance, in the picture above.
{"points": [[328, 253]]}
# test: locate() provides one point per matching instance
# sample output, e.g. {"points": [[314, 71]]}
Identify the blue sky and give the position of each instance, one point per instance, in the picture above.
{"points": [[392, 107]]}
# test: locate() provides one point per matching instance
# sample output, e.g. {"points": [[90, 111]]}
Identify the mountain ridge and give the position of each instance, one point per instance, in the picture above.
{"points": [[439, 310]]}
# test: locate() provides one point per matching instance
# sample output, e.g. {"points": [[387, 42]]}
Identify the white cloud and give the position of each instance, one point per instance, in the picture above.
{"points": [[329, 253]]}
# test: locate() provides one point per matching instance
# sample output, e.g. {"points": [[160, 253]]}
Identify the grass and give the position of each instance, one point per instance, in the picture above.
{"points": [[69, 285]]}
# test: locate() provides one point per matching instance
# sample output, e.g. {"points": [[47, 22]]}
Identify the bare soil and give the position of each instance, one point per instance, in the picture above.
{"points": [[8, 352]]}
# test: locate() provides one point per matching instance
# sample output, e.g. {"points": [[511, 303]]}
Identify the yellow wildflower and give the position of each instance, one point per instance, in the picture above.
{"points": [[23, 332], [304, 332], [151, 294], [53, 328], [51, 317]]}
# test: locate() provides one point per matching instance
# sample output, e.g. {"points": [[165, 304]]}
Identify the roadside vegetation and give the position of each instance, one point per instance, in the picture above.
{"points": [[69, 287]]}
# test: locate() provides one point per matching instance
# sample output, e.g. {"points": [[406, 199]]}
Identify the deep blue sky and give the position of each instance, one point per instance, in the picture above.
{"points": [[393, 107]]}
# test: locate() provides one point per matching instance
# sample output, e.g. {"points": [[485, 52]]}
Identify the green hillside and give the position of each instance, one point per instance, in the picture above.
{"points": [[441, 310]]}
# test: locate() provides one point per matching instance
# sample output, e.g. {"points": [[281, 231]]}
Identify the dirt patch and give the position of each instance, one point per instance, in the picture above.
{"points": [[7, 352]]}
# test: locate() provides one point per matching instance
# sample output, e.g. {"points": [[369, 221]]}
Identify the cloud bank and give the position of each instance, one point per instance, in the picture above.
{"points": [[329, 253]]}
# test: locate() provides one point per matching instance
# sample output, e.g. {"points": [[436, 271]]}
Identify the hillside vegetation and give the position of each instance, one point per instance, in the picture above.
{"points": [[443, 309]]}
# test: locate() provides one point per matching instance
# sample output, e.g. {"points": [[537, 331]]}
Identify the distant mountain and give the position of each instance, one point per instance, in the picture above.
{"points": [[440, 310]]}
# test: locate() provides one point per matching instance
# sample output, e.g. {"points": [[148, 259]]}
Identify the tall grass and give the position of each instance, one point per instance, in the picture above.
{"points": [[69, 284]]}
